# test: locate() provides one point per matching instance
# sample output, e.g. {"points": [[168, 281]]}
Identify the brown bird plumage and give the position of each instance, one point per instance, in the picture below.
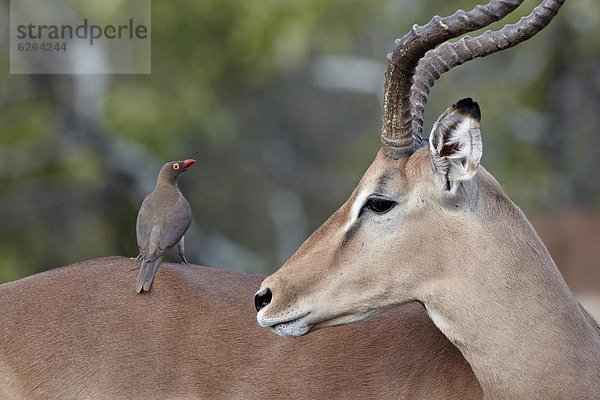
{"points": [[164, 217]]}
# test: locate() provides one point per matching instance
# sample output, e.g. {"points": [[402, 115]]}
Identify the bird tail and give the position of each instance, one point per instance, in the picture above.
{"points": [[146, 275]]}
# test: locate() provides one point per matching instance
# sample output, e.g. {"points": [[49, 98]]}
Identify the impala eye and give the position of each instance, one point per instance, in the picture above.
{"points": [[378, 205], [176, 166]]}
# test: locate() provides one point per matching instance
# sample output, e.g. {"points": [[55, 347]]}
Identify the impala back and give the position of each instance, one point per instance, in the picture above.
{"points": [[82, 332]]}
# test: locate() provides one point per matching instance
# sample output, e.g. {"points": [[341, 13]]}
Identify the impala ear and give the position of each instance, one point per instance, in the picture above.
{"points": [[455, 144]]}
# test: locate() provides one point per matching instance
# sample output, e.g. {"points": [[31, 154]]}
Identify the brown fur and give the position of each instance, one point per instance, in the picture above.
{"points": [[80, 332]]}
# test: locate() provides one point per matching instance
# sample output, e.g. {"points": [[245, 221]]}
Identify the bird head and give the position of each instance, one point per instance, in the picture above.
{"points": [[174, 169]]}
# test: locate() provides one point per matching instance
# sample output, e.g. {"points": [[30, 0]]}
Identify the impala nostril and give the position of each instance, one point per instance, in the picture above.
{"points": [[262, 299]]}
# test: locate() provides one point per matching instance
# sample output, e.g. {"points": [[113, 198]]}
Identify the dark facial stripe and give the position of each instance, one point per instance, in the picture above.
{"points": [[350, 233]]}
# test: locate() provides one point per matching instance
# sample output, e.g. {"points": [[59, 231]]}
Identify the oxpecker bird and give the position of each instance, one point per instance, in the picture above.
{"points": [[164, 217]]}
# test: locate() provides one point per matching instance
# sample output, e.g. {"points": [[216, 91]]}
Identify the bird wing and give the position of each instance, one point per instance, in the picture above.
{"points": [[177, 223], [145, 223], [172, 227]]}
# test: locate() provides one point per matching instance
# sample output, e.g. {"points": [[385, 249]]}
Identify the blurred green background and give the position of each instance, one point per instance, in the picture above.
{"points": [[280, 103]]}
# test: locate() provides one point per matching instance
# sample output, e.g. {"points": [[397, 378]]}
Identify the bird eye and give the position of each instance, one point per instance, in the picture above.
{"points": [[378, 205], [176, 166]]}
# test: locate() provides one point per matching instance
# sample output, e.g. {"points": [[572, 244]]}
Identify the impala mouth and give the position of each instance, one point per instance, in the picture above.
{"points": [[285, 327], [293, 328]]}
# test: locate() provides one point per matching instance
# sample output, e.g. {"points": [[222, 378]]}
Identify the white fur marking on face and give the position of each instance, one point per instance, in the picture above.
{"points": [[286, 326], [292, 329], [356, 207]]}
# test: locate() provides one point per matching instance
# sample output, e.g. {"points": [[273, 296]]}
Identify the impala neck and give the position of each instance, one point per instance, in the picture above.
{"points": [[514, 319]]}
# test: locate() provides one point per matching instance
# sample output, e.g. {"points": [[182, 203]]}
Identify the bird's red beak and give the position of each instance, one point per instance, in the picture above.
{"points": [[188, 163]]}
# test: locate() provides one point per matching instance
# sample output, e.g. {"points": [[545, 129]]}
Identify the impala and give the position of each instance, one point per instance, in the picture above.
{"points": [[428, 224]]}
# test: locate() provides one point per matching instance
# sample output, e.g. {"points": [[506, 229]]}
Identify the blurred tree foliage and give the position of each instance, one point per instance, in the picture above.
{"points": [[279, 100]]}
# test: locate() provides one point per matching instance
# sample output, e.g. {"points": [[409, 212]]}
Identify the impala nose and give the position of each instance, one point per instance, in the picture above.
{"points": [[262, 299]]}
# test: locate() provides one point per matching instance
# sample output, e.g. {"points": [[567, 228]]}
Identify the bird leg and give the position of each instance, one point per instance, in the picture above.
{"points": [[181, 250]]}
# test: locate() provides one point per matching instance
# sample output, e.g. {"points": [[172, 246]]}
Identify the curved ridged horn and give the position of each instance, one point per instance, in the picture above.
{"points": [[396, 136], [450, 55]]}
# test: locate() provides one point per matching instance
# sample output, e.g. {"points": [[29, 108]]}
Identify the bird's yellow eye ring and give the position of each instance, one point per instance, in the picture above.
{"points": [[176, 166]]}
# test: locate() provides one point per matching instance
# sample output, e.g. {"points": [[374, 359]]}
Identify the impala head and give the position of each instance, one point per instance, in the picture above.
{"points": [[369, 255], [416, 219]]}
